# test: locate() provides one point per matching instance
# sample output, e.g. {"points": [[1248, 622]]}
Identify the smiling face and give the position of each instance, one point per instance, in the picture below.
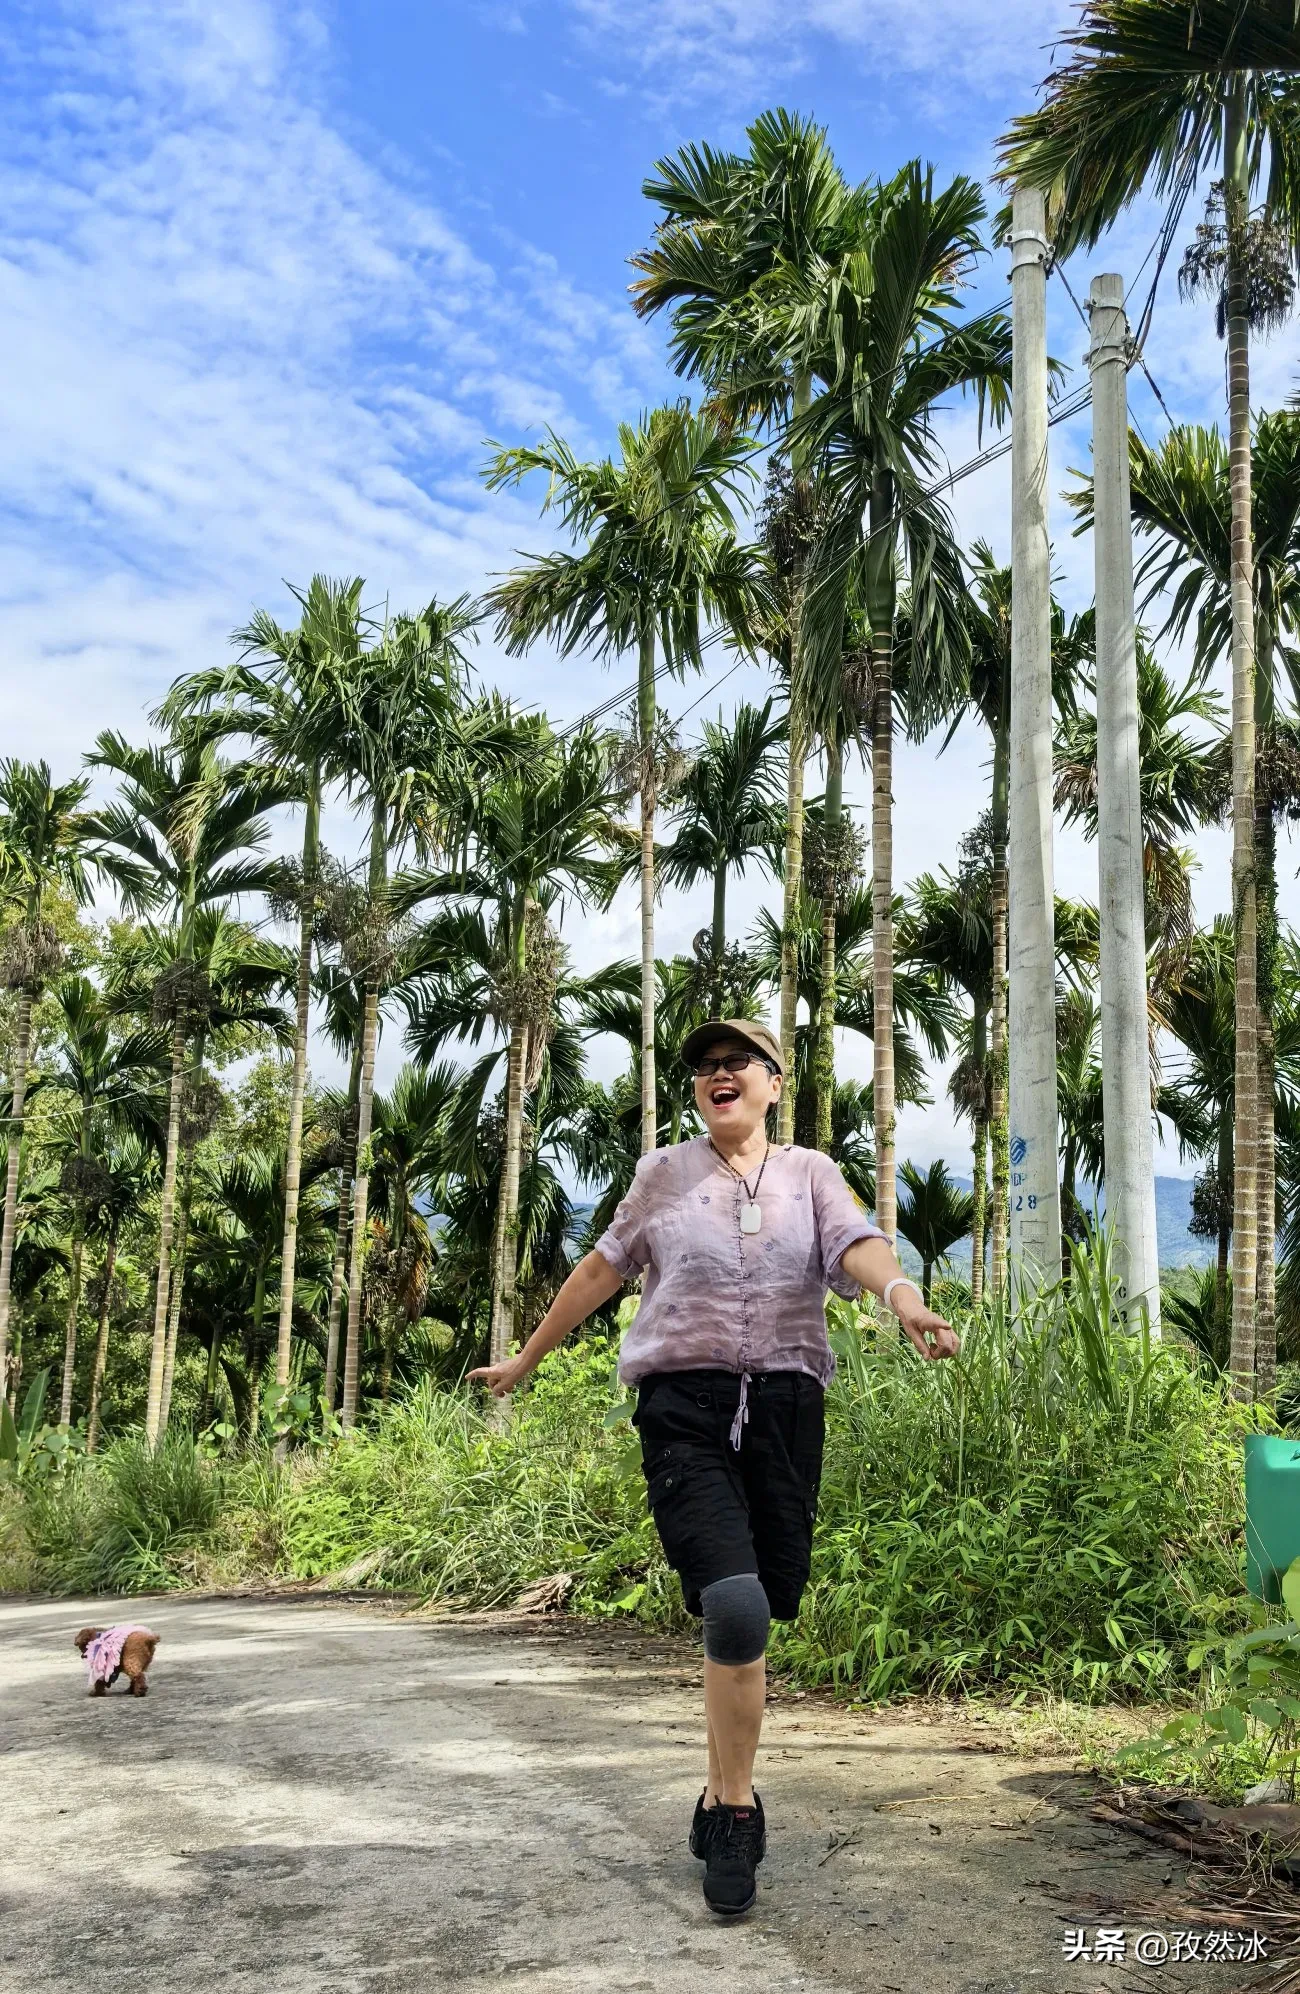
{"points": [[733, 1104]]}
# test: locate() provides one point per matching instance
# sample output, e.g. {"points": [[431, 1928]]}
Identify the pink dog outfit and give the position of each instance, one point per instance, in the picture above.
{"points": [[104, 1653]]}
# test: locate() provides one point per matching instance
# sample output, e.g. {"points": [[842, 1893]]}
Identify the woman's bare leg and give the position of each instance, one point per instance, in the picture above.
{"points": [[734, 1700]]}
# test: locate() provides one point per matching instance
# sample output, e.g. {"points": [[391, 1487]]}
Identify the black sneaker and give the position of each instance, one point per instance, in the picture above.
{"points": [[737, 1844], [703, 1823]]}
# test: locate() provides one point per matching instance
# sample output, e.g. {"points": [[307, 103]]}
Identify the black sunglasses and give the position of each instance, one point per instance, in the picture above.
{"points": [[732, 1062]]}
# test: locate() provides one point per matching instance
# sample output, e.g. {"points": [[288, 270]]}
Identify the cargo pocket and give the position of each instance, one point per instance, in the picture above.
{"points": [[664, 1475], [667, 1476]]}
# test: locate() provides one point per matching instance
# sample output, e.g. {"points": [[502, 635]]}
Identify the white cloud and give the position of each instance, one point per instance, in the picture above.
{"points": [[700, 49], [232, 349]]}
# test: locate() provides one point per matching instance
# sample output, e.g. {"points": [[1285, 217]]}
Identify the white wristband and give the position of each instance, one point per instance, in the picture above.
{"points": [[899, 1281]]}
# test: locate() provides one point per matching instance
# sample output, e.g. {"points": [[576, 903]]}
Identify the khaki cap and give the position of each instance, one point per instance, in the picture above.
{"points": [[757, 1037]]}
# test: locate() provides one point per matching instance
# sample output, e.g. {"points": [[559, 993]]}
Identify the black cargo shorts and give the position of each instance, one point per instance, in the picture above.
{"points": [[721, 1511]]}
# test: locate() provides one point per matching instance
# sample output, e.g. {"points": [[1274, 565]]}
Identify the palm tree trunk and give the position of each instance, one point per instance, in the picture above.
{"points": [[329, 1383], [790, 906], [1224, 1173], [646, 727], [365, 1110], [177, 1287], [1001, 1162], [498, 1236], [796, 754], [22, 1050], [719, 942], [507, 1226], [1266, 1195], [298, 1095], [166, 1222], [74, 1292], [70, 1329], [257, 1354], [927, 1276], [825, 1079], [979, 1163], [101, 1345], [360, 1202], [503, 1305], [339, 1273], [881, 602], [1246, 1107]]}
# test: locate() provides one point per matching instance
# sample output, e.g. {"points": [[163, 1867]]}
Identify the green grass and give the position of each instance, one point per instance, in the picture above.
{"points": [[1041, 1517], [126, 1521]]}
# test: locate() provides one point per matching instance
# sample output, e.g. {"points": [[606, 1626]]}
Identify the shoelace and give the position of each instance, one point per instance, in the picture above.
{"points": [[741, 1833]]}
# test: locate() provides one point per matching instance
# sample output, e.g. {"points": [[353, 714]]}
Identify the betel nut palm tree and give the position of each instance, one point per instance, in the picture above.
{"points": [[1153, 94], [543, 823], [737, 232], [839, 702], [727, 811], [389, 721], [889, 351], [282, 695], [241, 977], [104, 1083], [129, 1167], [947, 930], [933, 1215], [45, 846], [185, 835], [658, 560]]}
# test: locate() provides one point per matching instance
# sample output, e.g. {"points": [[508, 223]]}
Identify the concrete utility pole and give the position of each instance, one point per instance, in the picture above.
{"points": [[1035, 1246], [1125, 1046]]}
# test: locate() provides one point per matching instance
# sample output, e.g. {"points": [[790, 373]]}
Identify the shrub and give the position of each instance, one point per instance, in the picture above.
{"points": [[1043, 1512], [126, 1521]]}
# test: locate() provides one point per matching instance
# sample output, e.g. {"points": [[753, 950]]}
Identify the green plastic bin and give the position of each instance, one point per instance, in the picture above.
{"points": [[1272, 1512]]}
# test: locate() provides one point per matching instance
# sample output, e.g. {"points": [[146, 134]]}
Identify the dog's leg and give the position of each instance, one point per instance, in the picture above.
{"points": [[99, 1689], [139, 1687]]}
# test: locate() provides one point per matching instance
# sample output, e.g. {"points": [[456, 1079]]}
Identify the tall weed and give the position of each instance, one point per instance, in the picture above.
{"points": [[127, 1521], [1042, 1512]]}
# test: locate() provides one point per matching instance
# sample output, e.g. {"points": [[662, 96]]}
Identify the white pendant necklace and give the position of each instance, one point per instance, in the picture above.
{"points": [[751, 1212]]}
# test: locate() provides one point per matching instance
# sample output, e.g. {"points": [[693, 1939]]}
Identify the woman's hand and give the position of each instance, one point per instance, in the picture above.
{"points": [[501, 1379], [927, 1332]]}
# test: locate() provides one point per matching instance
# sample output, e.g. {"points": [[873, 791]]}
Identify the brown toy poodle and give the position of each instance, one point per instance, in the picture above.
{"points": [[111, 1652]]}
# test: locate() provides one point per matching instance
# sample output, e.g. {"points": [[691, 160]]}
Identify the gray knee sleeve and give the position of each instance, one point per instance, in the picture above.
{"points": [[737, 1619]]}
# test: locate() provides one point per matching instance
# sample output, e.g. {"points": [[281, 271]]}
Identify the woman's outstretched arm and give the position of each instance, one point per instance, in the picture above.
{"points": [[871, 1263], [592, 1282]]}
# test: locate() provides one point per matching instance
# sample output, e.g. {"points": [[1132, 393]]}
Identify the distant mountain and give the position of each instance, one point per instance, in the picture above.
{"points": [[1178, 1246]]}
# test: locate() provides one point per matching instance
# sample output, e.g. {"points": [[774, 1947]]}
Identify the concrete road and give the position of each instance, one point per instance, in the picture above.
{"points": [[319, 1796]]}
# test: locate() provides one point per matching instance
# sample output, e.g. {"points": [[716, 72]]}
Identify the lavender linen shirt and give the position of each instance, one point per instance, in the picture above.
{"points": [[719, 1299]]}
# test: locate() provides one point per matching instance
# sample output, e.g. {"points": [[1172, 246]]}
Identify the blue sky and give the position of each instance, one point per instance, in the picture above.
{"points": [[272, 273]]}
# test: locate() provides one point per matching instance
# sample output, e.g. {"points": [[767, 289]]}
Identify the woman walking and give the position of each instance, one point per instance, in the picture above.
{"points": [[738, 1241]]}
